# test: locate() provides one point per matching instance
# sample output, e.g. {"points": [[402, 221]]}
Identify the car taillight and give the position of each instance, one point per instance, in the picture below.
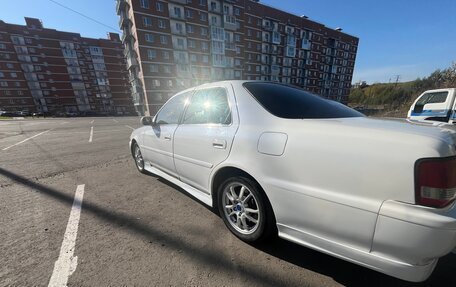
{"points": [[435, 182]]}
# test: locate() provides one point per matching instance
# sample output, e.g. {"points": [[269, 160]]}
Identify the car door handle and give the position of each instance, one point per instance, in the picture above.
{"points": [[221, 144], [167, 137]]}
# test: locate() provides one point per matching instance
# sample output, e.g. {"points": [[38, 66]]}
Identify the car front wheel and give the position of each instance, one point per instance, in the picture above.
{"points": [[245, 209], [139, 161]]}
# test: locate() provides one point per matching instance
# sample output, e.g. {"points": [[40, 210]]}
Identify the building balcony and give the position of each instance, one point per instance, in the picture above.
{"points": [[126, 36], [305, 44], [265, 50], [124, 21], [131, 63], [179, 1], [268, 27], [178, 60], [230, 46], [275, 70], [177, 16], [179, 47], [214, 9], [178, 32], [120, 5], [229, 22]]}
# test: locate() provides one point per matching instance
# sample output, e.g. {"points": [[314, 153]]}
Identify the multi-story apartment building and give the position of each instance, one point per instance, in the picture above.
{"points": [[50, 71], [175, 44]]}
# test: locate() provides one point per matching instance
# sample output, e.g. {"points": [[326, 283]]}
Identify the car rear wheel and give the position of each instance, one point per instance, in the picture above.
{"points": [[245, 209], [139, 161]]}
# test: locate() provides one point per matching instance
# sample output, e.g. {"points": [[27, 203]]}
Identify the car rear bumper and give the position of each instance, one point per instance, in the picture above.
{"points": [[414, 234]]}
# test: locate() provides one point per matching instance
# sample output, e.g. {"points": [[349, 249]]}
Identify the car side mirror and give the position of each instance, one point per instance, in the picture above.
{"points": [[147, 121]]}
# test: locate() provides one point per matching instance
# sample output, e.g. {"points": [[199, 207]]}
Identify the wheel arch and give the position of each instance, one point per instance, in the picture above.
{"points": [[226, 172], [133, 142], [229, 171]]}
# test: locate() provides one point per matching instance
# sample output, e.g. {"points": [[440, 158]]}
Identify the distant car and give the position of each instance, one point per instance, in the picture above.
{"points": [[274, 159], [37, 114], [23, 113], [9, 113]]}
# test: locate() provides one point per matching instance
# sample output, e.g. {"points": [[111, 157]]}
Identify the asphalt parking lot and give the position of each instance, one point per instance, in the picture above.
{"points": [[126, 228]]}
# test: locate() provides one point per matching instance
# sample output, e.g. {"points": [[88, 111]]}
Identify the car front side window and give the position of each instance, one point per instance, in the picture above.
{"points": [[171, 112], [209, 106]]}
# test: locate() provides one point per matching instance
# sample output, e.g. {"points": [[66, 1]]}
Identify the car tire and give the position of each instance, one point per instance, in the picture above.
{"points": [[137, 156], [245, 209]]}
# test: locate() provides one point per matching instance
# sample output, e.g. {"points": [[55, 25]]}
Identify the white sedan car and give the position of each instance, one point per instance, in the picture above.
{"points": [[274, 159]]}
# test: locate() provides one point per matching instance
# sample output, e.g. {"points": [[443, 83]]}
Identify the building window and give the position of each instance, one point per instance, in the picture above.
{"points": [[203, 31], [166, 55], [237, 12], [191, 44], [156, 83], [205, 59], [147, 21], [164, 39], [202, 2], [153, 68], [214, 20], [203, 17], [190, 28], [2, 46], [189, 13], [237, 37], [159, 6], [149, 37], [167, 69], [177, 12], [204, 46], [9, 65], [13, 75], [179, 27], [151, 54], [193, 58], [161, 24], [180, 43], [3, 84], [145, 4]]}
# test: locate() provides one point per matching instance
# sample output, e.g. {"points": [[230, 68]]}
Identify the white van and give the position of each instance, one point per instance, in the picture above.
{"points": [[435, 105]]}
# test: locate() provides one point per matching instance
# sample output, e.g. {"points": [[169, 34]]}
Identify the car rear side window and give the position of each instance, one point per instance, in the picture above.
{"points": [[293, 103], [171, 112], [208, 106]]}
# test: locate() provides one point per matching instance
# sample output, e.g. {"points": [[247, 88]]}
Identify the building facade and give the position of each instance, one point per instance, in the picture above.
{"points": [[49, 71], [172, 45]]}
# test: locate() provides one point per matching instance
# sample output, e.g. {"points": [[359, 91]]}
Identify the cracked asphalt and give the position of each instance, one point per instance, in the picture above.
{"points": [[135, 229]]}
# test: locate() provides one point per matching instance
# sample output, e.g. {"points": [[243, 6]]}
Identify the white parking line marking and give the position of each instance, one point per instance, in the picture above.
{"points": [[129, 127], [92, 121], [66, 263], [25, 140], [64, 123], [115, 120], [91, 134]]}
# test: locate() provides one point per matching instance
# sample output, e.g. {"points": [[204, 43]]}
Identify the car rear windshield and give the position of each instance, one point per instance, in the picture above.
{"points": [[293, 103]]}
